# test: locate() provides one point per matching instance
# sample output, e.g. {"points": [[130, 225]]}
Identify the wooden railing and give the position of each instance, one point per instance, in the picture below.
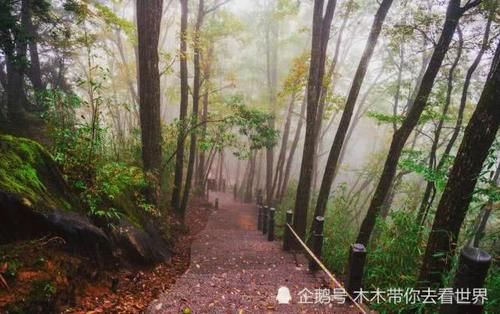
{"points": [[471, 273], [266, 223]]}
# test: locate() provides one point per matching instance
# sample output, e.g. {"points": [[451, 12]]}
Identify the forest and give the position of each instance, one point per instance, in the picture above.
{"points": [[145, 144]]}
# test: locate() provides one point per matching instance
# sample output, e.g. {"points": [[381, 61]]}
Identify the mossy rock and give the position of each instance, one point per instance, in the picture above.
{"points": [[28, 171], [35, 200]]}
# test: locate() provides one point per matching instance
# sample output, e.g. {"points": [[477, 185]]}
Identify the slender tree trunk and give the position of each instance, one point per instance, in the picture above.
{"points": [[210, 161], [453, 14], [329, 80], [179, 160], [206, 78], [237, 179], [34, 71], [251, 175], [360, 112], [284, 143], [220, 181], [196, 102], [244, 182], [272, 77], [128, 77], [293, 148], [465, 90], [478, 138], [430, 187], [320, 37], [331, 165], [148, 30]]}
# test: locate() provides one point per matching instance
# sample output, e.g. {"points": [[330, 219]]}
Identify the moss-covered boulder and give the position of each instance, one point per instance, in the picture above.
{"points": [[35, 200], [28, 171]]}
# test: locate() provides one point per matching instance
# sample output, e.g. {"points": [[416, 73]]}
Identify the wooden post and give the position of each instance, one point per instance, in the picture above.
{"points": [[287, 234], [317, 242], [260, 218], [357, 256], [473, 266], [216, 203], [264, 219], [270, 228], [259, 196]]}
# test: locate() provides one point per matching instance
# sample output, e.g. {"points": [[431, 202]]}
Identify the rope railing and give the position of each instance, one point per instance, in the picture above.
{"points": [[266, 223], [325, 270], [471, 273]]}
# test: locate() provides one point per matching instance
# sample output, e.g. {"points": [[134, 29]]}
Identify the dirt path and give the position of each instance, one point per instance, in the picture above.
{"points": [[234, 269]]}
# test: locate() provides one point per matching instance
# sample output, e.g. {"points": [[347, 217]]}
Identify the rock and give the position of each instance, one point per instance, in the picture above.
{"points": [[35, 200], [139, 246], [80, 234], [20, 221]]}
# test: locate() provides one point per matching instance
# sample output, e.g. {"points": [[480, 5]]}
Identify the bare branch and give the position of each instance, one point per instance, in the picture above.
{"points": [[215, 7]]}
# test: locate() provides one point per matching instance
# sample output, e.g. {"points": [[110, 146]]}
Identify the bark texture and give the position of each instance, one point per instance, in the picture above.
{"points": [[179, 158], [320, 37], [453, 14], [478, 138], [340, 135], [148, 30]]}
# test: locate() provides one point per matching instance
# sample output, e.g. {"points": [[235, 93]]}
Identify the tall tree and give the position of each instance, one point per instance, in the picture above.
{"points": [[196, 104], [204, 163], [320, 36], [13, 42], [30, 30], [284, 143], [330, 82], [430, 189], [293, 148], [271, 40], [340, 135], [478, 138], [453, 14], [148, 31], [179, 158]]}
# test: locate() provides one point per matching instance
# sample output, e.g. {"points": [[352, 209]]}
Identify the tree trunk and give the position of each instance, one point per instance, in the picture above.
{"points": [[220, 181], [331, 165], [320, 37], [206, 75], [237, 178], [148, 30], [16, 97], [328, 84], [196, 102], [272, 77], [179, 158], [360, 112], [465, 89], [128, 78], [431, 188], [251, 175], [453, 14], [34, 71], [478, 138], [293, 148], [282, 155]]}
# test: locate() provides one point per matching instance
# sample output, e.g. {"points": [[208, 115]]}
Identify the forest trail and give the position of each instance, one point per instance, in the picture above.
{"points": [[234, 269]]}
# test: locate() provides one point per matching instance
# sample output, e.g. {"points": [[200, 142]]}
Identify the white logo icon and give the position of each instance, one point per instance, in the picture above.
{"points": [[283, 296]]}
